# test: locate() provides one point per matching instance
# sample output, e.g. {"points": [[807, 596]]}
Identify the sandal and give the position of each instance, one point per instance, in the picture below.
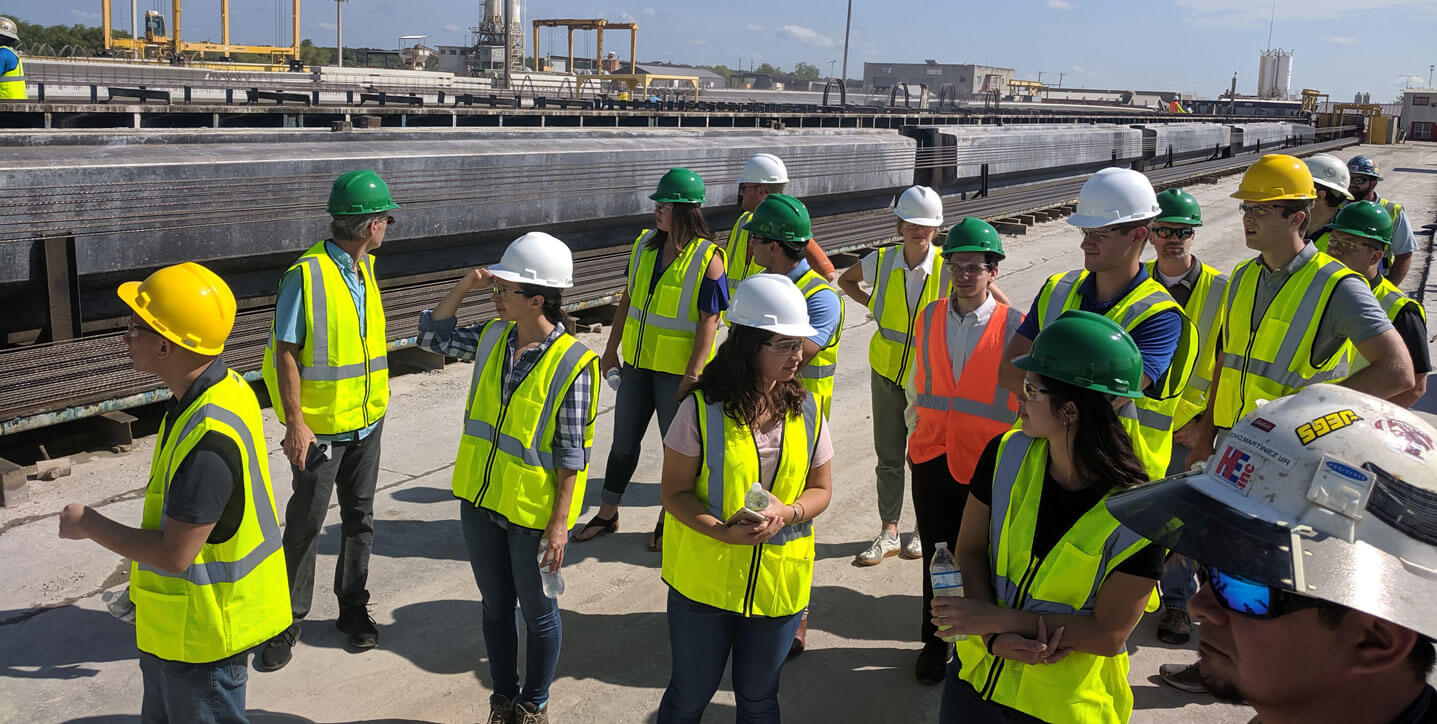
{"points": [[656, 541], [605, 526]]}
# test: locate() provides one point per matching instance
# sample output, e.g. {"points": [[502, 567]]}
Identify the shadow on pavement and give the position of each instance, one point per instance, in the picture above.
{"points": [[850, 614], [423, 494], [256, 716], [437, 539], [58, 643]]}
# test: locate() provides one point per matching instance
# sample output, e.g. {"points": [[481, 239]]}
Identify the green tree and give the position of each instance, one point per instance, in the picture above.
{"points": [[806, 71], [767, 69], [57, 37]]}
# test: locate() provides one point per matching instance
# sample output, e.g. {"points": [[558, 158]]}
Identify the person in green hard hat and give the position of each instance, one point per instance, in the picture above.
{"points": [[1037, 541], [663, 334], [955, 404], [327, 374], [1360, 236]]}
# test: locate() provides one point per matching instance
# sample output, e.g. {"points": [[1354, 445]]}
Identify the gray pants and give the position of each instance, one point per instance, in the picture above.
{"points": [[890, 443]]}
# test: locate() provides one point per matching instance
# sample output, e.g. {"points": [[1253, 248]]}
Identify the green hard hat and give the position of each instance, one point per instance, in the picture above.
{"points": [[1179, 207], [781, 218], [1087, 350], [359, 192], [973, 234], [679, 186], [1365, 219]]}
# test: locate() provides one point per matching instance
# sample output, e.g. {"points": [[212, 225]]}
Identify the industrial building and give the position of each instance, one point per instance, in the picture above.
{"points": [[1419, 114], [970, 81]]}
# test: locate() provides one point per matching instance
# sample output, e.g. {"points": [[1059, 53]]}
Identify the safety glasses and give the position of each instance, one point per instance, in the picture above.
{"points": [[1031, 391], [1164, 232], [1251, 599], [972, 270], [1337, 243], [1255, 210]]}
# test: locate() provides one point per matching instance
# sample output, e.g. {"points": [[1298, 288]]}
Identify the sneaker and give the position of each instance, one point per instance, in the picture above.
{"points": [[357, 622], [527, 712], [884, 546], [501, 710], [1183, 677], [932, 663], [1174, 627], [277, 652], [913, 549]]}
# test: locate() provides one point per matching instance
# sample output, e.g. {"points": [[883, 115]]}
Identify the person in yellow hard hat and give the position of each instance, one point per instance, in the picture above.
{"points": [[207, 576], [12, 69]]}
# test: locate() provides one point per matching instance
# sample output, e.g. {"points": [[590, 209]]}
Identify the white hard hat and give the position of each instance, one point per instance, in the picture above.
{"points": [[773, 303], [1115, 196], [920, 205], [1328, 493], [9, 29], [764, 168], [539, 259], [1331, 172]]}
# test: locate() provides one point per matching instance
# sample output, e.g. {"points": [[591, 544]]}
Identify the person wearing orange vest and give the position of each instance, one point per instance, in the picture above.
{"points": [[955, 404]]}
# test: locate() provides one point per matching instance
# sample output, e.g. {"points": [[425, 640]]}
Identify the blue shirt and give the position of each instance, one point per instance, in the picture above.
{"points": [[289, 323], [1157, 337], [8, 60], [823, 308]]}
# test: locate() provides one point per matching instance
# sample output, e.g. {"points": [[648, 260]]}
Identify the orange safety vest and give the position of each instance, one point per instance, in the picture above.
{"points": [[957, 418]]}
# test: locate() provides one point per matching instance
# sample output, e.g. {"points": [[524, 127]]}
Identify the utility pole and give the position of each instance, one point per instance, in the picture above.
{"points": [[846, 25], [1060, 78], [509, 48], [1429, 75], [831, 61], [1040, 77], [339, 31]]}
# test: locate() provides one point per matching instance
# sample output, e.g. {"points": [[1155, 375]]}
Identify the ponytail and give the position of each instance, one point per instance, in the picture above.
{"points": [[553, 304]]}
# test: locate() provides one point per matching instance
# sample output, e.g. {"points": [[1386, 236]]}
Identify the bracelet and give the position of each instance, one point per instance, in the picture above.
{"points": [[802, 511], [796, 514], [989, 642]]}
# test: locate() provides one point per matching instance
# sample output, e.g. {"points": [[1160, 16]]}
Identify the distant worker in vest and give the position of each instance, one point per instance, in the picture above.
{"points": [[904, 279], [535, 387], [1116, 209], [12, 69], [955, 405], [1313, 529], [665, 325], [327, 371], [746, 471], [207, 568], [1363, 187], [1359, 239], [1054, 585], [763, 174], [1330, 175]]}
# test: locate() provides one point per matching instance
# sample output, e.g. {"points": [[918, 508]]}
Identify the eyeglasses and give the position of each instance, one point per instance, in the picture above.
{"points": [[1164, 232], [133, 330], [1256, 210], [387, 219], [1252, 599], [1031, 391], [1336, 243], [971, 270], [500, 290], [1107, 232], [663, 208], [787, 347]]}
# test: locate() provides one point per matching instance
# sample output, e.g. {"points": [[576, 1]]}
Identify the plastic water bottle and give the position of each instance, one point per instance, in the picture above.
{"points": [[119, 604], [553, 582], [613, 377], [947, 580], [756, 499]]}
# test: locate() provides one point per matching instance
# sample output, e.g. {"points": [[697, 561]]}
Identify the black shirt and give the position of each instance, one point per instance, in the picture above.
{"points": [[208, 486], [1058, 509], [1422, 711], [1409, 324]]}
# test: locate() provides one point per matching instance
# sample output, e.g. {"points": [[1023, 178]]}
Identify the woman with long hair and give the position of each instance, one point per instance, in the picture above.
{"points": [[746, 470], [1054, 583]]}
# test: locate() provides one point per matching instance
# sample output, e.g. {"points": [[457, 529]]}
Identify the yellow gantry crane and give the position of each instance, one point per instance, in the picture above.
{"points": [[156, 42]]}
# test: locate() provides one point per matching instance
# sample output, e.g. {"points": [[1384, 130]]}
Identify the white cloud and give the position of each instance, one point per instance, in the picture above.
{"points": [[328, 26], [1415, 81], [1061, 5], [451, 27], [1247, 14], [698, 41], [81, 14], [649, 12], [807, 36], [1342, 40], [753, 28]]}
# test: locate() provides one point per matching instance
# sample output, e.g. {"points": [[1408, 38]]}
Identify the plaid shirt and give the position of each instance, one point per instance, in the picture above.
{"points": [[570, 451]]}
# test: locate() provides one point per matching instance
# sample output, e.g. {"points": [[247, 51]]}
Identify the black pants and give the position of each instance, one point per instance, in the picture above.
{"points": [[938, 502], [352, 471]]}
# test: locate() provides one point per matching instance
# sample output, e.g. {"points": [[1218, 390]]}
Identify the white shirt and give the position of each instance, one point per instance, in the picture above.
{"points": [[961, 333], [914, 277]]}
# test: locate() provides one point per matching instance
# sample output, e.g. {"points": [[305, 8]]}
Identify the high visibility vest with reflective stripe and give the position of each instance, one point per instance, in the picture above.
{"points": [[660, 329], [817, 375], [738, 265], [1203, 309], [1148, 420], [1392, 300], [506, 456], [771, 579], [957, 418], [1271, 357], [1083, 688], [890, 350], [343, 374], [12, 82], [236, 593]]}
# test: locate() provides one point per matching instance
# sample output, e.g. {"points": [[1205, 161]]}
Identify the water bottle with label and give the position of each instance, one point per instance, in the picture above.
{"points": [[756, 499], [119, 605], [613, 377], [553, 582], [947, 581]]}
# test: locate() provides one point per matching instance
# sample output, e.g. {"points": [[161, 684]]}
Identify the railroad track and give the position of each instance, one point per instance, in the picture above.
{"points": [[45, 384]]}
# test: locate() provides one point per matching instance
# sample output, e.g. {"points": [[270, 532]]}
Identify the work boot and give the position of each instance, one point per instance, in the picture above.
{"points": [[932, 662], [277, 651], [1174, 627], [527, 712], [913, 549], [1183, 677], [501, 710], [884, 546], [357, 622]]}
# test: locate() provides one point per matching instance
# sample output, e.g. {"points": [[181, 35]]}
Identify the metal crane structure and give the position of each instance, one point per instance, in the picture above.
{"points": [[598, 24], [154, 42]]}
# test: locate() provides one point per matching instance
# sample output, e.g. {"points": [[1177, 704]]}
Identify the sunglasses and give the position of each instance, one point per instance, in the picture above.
{"points": [[786, 347], [1031, 391], [1166, 233], [1363, 180], [133, 330], [971, 270], [1107, 232], [500, 290], [1253, 600], [1256, 210]]}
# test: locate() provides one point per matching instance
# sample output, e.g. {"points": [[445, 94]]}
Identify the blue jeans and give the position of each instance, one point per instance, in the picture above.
{"points": [[210, 693], [1179, 582], [505, 561], [641, 394], [700, 639], [962, 705]]}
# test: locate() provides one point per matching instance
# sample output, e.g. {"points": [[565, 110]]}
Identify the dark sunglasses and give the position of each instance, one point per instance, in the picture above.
{"points": [[1251, 599], [1165, 233]]}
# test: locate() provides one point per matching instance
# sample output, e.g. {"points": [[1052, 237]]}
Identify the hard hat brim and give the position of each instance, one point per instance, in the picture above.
{"points": [[500, 272], [1083, 221], [921, 220], [1355, 232], [1334, 187], [983, 250], [1178, 220], [1029, 363], [129, 293], [786, 330]]}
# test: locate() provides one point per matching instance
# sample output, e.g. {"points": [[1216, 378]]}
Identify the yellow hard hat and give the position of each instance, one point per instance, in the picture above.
{"points": [[1277, 177], [187, 304]]}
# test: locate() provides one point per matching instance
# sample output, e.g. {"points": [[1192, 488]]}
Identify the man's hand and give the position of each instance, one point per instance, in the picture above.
{"points": [[297, 439], [72, 522]]}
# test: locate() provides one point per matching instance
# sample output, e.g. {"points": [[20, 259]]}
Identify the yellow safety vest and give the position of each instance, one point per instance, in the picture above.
{"points": [[506, 456], [1270, 357], [1148, 420], [236, 593], [890, 349], [1083, 688], [660, 329], [1392, 300], [1203, 309], [343, 374], [817, 375], [769, 579], [12, 82], [738, 264]]}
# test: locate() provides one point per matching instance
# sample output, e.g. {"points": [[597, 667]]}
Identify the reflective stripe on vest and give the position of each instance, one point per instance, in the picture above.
{"points": [[236, 593], [957, 418], [738, 265], [817, 375], [890, 349], [1083, 687], [660, 329], [12, 82], [1270, 357], [1392, 300], [1203, 307], [1393, 210], [770, 579], [506, 456]]}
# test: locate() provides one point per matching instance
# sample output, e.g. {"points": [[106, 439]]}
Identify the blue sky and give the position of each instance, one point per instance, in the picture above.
{"points": [[1189, 45]]}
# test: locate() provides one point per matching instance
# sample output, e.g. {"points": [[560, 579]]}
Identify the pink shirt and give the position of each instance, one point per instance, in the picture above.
{"points": [[683, 437]]}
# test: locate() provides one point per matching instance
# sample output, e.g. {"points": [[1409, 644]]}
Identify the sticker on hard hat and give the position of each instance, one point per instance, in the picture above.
{"points": [[1404, 437], [1235, 466], [1346, 471], [1329, 423], [1262, 424], [1258, 447]]}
